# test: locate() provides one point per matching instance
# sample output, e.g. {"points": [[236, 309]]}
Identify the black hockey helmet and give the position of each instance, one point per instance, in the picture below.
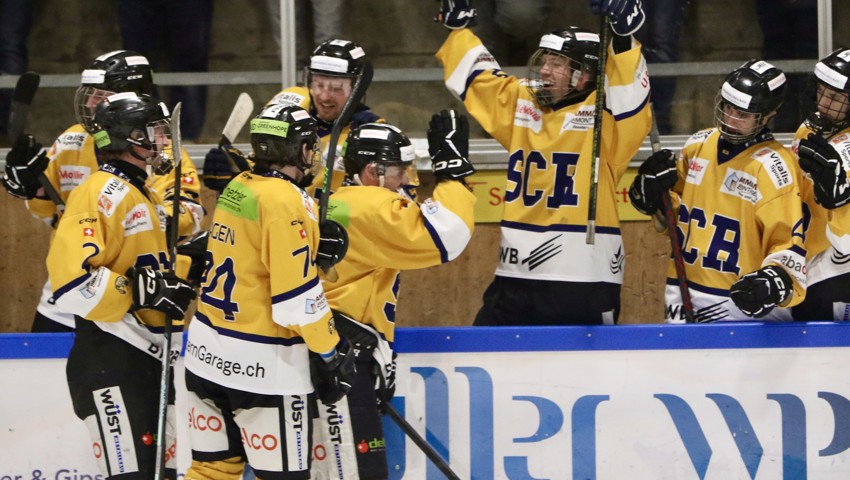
{"points": [[379, 143], [126, 120], [337, 58], [828, 91], [579, 47], [278, 133], [756, 90], [113, 72]]}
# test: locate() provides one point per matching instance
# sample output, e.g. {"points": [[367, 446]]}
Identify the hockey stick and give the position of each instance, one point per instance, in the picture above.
{"points": [[420, 442], [165, 375], [673, 231], [358, 91], [604, 34], [239, 116], [22, 99]]}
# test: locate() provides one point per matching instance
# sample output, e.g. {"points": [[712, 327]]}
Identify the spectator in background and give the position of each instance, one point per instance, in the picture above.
{"points": [[179, 31], [324, 16], [660, 38], [15, 26], [790, 33]]}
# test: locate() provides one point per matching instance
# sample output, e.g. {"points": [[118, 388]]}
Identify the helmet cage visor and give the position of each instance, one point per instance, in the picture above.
{"points": [[86, 99], [554, 77], [737, 125]]}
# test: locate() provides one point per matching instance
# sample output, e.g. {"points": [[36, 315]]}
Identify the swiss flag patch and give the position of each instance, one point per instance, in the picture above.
{"points": [[88, 232], [302, 233]]}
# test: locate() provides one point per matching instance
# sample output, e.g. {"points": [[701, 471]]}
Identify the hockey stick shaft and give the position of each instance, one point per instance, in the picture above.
{"points": [[673, 231], [420, 442], [165, 375], [239, 116], [358, 91], [598, 113], [22, 98]]}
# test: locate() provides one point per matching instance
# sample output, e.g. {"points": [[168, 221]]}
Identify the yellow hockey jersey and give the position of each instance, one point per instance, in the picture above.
{"points": [[72, 160], [739, 210], [301, 96], [827, 231], [544, 222], [261, 305], [111, 223], [388, 233]]}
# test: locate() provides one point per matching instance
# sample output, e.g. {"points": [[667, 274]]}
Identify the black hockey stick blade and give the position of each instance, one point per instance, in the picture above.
{"points": [[21, 100], [420, 442], [358, 91]]}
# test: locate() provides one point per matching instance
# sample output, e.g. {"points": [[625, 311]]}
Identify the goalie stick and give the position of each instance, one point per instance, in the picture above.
{"points": [[165, 375], [22, 98], [239, 116], [604, 34], [673, 231], [420, 442]]}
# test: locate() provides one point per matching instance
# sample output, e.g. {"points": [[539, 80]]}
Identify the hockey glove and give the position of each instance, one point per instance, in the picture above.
{"points": [[218, 171], [758, 292], [196, 249], [656, 174], [456, 14], [448, 145], [24, 163], [333, 377], [161, 291], [626, 16], [367, 340], [333, 244], [819, 159]]}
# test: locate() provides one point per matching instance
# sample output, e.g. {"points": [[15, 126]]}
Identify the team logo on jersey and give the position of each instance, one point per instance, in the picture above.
{"points": [[696, 170], [775, 166], [121, 284], [527, 115], [71, 176], [617, 261], [581, 121], [741, 184]]}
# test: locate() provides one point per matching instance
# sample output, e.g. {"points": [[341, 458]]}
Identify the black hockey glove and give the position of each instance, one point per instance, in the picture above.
{"points": [[365, 340], [333, 378], [24, 163], [455, 14], [656, 174], [358, 335], [448, 145], [819, 159], [196, 249], [333, 244], [758, 292], [218, 171], [626, 16], [161, 291]]}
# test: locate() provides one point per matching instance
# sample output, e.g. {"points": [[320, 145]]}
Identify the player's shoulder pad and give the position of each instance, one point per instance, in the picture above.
{"points": [[775, 165]]}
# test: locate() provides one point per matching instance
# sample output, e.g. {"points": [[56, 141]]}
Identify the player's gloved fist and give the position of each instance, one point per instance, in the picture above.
{"points": [[758, 292], [334, 376], [161, 291], [656, 175], [333, 244], [626, 16], [218, 171], [448, 145], [24, 163], [196, 249], [821, 160], [455, 14]]}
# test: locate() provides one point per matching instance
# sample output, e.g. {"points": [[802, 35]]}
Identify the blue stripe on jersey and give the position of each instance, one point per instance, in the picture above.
{"points": [[71, 285], [700, 288], [282, 297], [798, 250], [469, 81], [558, 228], [634, 112], [287, 342], [438, 242]]}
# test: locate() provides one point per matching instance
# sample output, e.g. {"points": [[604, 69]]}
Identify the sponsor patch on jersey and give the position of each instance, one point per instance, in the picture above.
{"points": [[162, 215], [696, 170], [71, 176], [70, 141], [431, 207], [187, 179], [741, 184], [138, 220], [90, 288], [581, 121], [776, 168], [111, 195], [841, 143], [527, 115], [308, 202], [288, 98], [316, 305], [122, 284]]}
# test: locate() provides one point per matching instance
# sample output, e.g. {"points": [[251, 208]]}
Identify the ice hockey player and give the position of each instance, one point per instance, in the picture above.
{"points": [[108, 267], [547, 274], [74, 156], [736, 193], [822, 144], [388, 233], [263, 321]]}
